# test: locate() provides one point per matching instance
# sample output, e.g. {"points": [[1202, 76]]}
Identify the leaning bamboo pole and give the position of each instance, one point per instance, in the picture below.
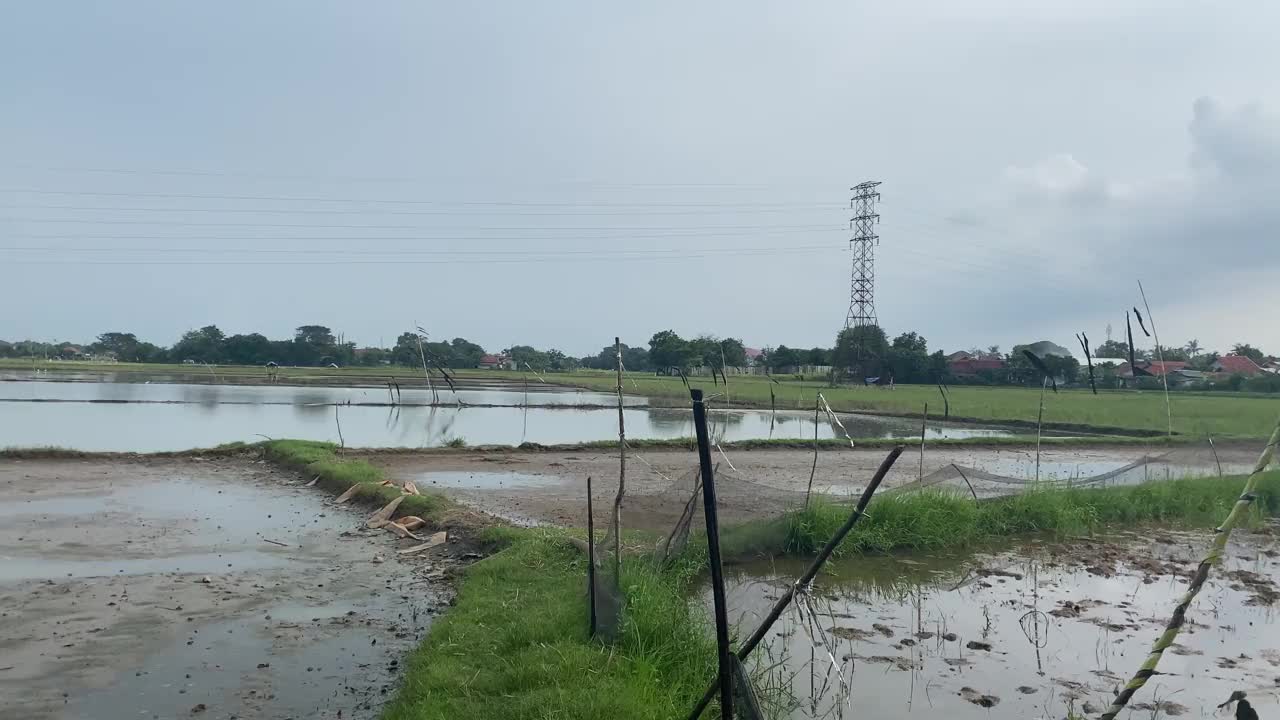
{"points": [[1216, 550]]}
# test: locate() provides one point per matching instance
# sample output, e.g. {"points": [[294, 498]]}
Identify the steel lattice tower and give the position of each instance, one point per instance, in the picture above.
{"points": [[862, 290]]}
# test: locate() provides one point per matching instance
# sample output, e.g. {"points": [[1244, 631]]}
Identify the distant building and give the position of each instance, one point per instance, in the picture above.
{"points": [[753, 355], [970, 366], [495, 362], [1154, 368], [1236, 365]]}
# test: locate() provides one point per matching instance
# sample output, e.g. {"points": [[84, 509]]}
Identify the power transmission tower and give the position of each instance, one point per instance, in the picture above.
{"points": [[862, 290]]}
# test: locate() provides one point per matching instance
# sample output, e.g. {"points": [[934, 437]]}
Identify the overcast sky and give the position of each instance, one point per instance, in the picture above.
{"points": [[555, 174]]}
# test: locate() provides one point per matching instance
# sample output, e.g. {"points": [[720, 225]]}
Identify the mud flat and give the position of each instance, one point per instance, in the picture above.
{"points": [[162, 588], [550, 487]]}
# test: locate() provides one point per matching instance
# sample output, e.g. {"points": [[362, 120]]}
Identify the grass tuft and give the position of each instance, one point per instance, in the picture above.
{"points": [[937, 519], [337, 475], [516, 645]]}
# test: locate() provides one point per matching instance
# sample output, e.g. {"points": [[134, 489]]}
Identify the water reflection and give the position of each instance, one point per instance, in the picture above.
{"points": [[177, 417], [1036, 631]]}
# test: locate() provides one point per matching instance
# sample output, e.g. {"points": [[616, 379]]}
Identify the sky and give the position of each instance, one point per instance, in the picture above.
{"points": [[556, 174]]}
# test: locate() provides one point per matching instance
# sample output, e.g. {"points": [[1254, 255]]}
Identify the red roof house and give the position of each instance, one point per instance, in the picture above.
{"points": [[1236, 364], [1153, 367], [972, 366]]}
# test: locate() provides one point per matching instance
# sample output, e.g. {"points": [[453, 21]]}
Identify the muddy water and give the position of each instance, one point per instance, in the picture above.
{"points": [[141, 589], [147, 418], [1065, 626]]}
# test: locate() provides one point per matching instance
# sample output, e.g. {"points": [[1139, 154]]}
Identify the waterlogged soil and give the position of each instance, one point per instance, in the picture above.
{"points": [[551, 487], [207, 588], [1048, 628]]}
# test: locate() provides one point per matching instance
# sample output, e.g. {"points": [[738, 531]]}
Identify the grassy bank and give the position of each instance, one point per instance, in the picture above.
{"points": [[515, 644], [337, 475], [931, 520]]}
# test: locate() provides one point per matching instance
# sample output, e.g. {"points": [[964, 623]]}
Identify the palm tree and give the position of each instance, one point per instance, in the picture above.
{"points": [[1193, 347]]}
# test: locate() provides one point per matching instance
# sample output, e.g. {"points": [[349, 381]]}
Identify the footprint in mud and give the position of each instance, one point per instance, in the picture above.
{"points": [[978, 698]]}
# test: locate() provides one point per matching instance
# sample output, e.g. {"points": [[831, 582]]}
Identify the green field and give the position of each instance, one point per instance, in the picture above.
{"points": [[1195, 414]]}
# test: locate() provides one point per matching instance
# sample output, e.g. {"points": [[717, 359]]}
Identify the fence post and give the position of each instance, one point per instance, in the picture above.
{"points": [[713, 554]]}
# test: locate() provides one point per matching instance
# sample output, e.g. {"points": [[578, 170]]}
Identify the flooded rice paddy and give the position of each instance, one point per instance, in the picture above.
{"points": [[140, 417], [1037, 632]]}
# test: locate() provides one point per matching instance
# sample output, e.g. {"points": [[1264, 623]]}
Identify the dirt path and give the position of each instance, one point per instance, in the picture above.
{"points": [[173, 588], [550, 487]]}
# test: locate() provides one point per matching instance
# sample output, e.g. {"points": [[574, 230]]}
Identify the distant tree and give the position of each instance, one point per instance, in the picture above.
{"points": [[405, 351], [1171, 353], [1112, 349], [372, 356], [705, 350], [911, 342], [251, 349], [464, 354], [993, 349], [124, 346], [636, 359], [783, 357], [1193, 348], [1064, 368], [203, 345], [669, 350], [314, 345], [873, 342], [818, 356], [1204, 361], [733, 353], [939, 370], [1248, 351], [526, 356]]}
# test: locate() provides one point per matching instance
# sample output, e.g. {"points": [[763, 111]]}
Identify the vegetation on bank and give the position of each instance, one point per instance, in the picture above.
{"points": [[515, 644], [940, 519]]}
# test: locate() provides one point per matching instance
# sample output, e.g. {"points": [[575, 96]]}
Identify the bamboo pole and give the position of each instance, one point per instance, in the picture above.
{"points": [[1216, 550], [725, 664], [813, 470], [1039, 422], [924, 422], [622, 470], [1164, 373]]}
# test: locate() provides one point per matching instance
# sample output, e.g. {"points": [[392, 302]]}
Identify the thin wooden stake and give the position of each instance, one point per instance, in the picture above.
{"points": [[814, 470], [1164, 371], [1039, 422], [622, 470], [924, 422], [591, 559], [966, 481]]}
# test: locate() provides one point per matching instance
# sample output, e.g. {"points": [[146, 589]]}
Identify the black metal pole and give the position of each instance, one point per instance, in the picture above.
{"points": [[591, 559], [713, 555], [807, 577]]}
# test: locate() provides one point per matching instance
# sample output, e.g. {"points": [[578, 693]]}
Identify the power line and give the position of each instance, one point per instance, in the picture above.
{"points": [[184, 223], [415, 251], [384, 201], [733, 253]]}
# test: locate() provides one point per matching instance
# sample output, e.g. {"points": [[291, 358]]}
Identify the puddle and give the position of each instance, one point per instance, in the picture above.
{"points": [[181, 526], [284, 659], [481, 480], [911, 633]]}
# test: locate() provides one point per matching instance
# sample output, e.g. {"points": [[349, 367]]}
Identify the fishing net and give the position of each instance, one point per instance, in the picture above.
{"points": [[607, 596]]}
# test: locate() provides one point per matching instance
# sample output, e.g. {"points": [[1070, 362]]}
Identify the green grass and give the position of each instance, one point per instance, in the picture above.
{"points": [[516, 644], [1197, 414], [937, 519], [337, 474]]}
